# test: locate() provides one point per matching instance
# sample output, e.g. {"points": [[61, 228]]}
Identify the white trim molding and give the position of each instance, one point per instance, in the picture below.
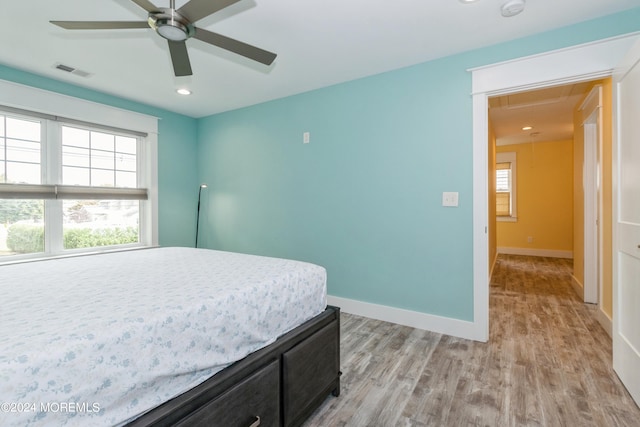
{"points": [[414, 319], [583, 62], [603, 318], [592, 123], [551, 253], [605, 321], [578, 287], [46, 102], [494, 261], [480, 218]]}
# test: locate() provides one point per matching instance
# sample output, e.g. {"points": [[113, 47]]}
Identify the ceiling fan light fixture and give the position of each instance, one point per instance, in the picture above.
{"points": [[173, 32], [171, 25], [176, 26]]}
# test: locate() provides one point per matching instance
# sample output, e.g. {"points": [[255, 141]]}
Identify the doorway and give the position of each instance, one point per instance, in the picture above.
{"points": [[554, 136], [585, 62]]}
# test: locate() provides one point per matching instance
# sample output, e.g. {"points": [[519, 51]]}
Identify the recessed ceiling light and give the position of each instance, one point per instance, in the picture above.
{"points": [[467, 1], [183, 91], [527, 128]]}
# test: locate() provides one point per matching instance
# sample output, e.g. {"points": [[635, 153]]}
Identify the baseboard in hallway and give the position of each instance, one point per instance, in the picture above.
{"points": [[547, 253]]}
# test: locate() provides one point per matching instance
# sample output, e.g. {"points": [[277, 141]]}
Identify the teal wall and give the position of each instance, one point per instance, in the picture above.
{"points": [[177, 150], [363, 198]]}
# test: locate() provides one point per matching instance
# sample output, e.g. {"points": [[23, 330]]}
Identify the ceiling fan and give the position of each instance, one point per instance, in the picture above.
{"points": [[177, 26]]}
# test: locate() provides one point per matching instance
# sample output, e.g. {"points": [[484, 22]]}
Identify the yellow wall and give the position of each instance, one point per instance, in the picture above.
{"points": [[515, 234], [544, 198], [607, 224]]}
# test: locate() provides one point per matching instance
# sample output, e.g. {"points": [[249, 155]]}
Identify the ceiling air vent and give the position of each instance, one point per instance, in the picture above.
{"points": [[71, 70]]}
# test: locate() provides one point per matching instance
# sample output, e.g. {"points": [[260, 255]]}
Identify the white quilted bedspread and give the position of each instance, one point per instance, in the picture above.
{"points": [[98, 340]]}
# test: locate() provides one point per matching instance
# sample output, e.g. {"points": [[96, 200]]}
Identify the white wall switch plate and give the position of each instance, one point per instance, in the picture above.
{"points": [[450, 199], [306, 137]]}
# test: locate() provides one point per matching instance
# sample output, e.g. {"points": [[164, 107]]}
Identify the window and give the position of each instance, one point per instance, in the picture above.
{"points": [[71, 186], [503, 189], [20, 146], [506, 186], [21, 220]]}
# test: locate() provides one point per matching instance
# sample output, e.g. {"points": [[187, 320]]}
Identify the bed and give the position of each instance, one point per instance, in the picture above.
{"points": [[165, 336]]}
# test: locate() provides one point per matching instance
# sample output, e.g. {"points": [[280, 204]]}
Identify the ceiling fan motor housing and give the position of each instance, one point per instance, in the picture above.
{"points": [[170, 25]]}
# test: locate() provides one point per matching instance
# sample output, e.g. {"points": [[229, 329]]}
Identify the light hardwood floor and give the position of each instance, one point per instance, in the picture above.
{"points": [[547, 363]]}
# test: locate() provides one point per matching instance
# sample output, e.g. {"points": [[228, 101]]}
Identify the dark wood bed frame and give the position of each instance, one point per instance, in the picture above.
{"points": [[279, 385]]}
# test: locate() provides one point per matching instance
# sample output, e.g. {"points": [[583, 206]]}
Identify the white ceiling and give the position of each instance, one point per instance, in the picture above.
{"points": [[548, 111], [318, 42]]}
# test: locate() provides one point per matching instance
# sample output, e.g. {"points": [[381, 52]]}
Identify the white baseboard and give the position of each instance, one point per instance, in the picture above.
{"points": [[551, 253], [414, 319], [602, 317], [577, 287], [605, 321], [493, 266]]}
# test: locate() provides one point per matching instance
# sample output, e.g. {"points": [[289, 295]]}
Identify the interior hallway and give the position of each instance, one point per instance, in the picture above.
{"points": [[548, 363]]}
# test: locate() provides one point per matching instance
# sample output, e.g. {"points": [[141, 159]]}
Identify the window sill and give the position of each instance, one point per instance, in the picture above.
{"points": [[44, 257]]}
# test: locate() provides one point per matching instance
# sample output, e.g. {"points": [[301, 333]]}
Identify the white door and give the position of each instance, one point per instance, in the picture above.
{"points": [[626, 211]]}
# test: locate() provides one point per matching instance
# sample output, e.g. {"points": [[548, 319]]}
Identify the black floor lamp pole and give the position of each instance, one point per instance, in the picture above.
{"points": [[198, 216]]}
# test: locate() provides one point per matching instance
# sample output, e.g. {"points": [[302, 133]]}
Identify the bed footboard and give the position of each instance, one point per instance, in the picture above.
{"points": [[279, 385]]}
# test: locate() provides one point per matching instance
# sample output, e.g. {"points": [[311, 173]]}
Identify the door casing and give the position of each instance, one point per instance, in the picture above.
{"points": [[589, 61], [591, 110]]}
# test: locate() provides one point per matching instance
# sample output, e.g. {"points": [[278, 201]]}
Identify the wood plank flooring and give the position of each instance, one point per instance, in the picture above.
{"points": [[547, 363]]}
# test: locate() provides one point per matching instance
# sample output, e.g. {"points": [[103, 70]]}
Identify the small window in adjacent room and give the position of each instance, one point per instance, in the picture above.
{"points": [[506, 186]]}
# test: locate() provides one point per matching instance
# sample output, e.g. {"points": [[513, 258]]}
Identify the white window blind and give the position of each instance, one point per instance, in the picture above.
{"points": [[94, 164], [503, 189], [30, 191]]}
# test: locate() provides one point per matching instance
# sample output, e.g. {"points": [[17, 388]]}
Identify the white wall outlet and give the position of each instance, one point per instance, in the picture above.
{"points": [[530, 239], [450, 199], [306, 138]]}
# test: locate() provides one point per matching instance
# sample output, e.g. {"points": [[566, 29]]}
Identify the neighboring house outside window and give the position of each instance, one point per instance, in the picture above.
{"points": [[506, 200]]}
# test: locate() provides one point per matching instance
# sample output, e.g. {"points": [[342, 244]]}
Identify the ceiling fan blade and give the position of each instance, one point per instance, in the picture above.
{"points": [[198, 9], [235, 46], [146, 5], [180, 58], [100, 25]]}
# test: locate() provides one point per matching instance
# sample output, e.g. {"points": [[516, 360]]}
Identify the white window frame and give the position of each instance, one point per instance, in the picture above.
{"points": [[510, 157], [14, 95]]}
